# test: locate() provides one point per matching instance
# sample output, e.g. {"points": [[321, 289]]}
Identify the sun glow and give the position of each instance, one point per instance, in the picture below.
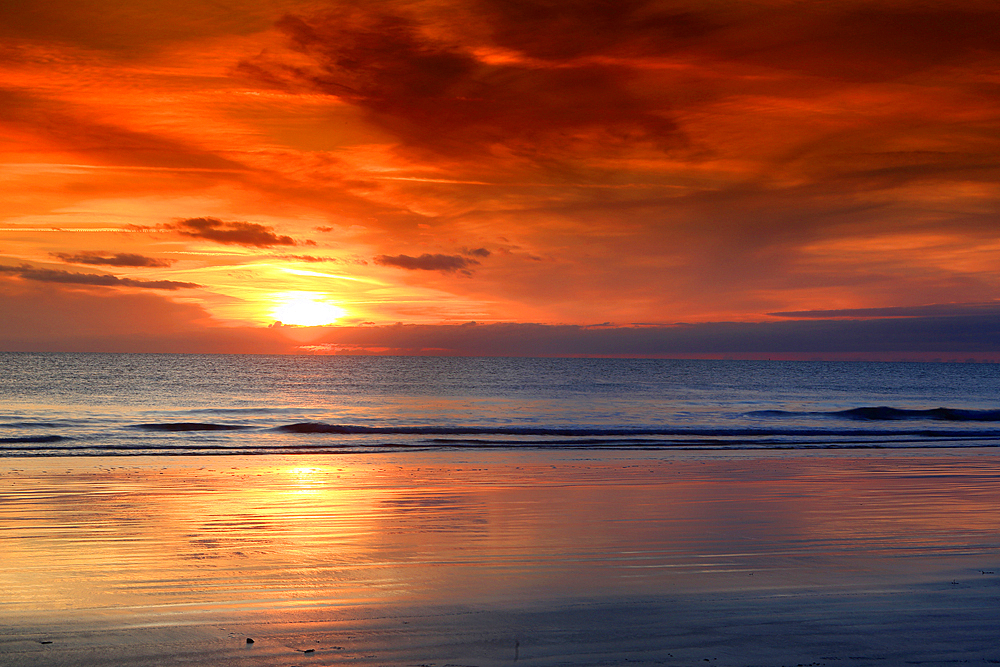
{"points": [[307, 309]]}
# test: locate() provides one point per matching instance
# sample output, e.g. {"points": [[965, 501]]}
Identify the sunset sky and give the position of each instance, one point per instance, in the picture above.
{"points": [[596, 177]]}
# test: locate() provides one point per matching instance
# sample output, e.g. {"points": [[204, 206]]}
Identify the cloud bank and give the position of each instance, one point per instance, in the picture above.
{"points": [[945, 338], [884, 338], [102, 280]]}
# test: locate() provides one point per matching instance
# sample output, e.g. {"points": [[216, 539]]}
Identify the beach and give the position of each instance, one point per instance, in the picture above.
{"points": [[439, 557]]}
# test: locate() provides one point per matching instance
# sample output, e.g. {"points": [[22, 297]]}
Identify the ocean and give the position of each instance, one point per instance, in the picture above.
{"points": [[56, 404], [166, 509]]}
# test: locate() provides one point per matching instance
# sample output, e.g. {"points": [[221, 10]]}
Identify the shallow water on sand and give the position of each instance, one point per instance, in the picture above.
{"points": [[493, 557], [203, 537]]}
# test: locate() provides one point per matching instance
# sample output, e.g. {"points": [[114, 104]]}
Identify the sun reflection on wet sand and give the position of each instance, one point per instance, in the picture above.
{"points": [[154, 542]]}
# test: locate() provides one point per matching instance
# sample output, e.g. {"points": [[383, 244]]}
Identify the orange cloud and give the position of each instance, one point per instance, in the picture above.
{"points": [[636, 162]]}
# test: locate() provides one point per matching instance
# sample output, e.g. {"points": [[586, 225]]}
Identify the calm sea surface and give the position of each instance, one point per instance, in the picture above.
{"points": [[101, 404]]}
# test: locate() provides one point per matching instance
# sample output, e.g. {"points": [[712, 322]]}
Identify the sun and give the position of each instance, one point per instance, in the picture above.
{"points": [[306, 309]]}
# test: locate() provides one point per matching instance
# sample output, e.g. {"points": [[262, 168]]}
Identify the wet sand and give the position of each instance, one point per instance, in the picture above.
{"points": [[490, 558]]}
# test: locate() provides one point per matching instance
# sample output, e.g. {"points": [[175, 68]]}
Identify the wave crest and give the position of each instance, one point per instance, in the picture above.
{"points": [[189, 426]]}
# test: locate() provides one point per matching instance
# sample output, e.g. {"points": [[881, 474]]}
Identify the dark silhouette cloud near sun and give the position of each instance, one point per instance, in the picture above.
{"points": [[232, 233], [26, 272], [112, 259]]}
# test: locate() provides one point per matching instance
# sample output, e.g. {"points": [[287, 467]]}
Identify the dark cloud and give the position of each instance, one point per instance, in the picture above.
{"points": [[116, 259], [478, 252], [434, 94], [231, 233], [427, 262], [66, 277], [874, 338]]}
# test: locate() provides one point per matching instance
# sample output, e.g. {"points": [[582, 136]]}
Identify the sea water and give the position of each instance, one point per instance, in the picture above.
{"points": [[54, 404], [380, 510]]}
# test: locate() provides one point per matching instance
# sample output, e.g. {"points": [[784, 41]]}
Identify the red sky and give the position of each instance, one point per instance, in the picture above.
{"points": [[672, 178]]}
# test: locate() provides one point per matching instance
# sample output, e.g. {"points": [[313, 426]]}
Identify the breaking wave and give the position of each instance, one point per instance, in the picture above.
{"points": [[33, 439], [189, 426]]}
